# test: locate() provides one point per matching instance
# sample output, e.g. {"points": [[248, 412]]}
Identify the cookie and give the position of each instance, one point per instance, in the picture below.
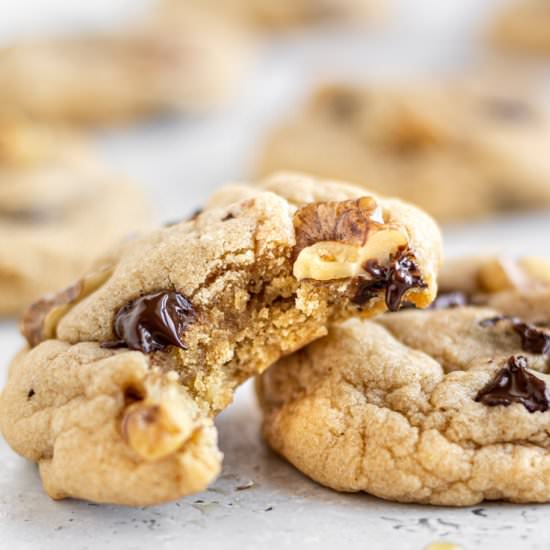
{"points": [[523, 26], [114, 398], [187, 64], [59, 210], [458, 151], [284, 14], [448, 406]]}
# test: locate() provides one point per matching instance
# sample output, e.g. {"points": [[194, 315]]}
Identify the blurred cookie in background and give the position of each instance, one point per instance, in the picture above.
{"points": [[283, 14], [59, 210], [458, 150], [187, 63], [524, 26]]}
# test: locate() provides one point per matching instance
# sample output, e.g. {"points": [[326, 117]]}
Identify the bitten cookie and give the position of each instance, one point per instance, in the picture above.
{"points": [[59, 210], [283, 14], [115, 396], [523, 26], [458, 150], [187, 63], [447, 406]]}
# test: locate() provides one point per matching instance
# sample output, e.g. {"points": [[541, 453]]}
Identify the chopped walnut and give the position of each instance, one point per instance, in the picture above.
{"points": [[335, 240], [40, 321]]}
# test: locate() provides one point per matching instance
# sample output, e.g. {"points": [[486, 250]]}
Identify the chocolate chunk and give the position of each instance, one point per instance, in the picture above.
{"points": [[400, 276], [153, 322], [449, 300], [344, 105], [508, 109], [533, 339], [32, 217], [515, 384], [30, 393]]}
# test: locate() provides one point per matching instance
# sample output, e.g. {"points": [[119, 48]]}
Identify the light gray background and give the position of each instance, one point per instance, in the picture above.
{"points": [[180, 162]]}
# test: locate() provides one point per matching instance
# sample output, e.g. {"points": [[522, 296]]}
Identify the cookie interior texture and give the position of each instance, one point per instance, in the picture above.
{"points": [[175, 323], [445, 406], [453, 149], [54, 195]]}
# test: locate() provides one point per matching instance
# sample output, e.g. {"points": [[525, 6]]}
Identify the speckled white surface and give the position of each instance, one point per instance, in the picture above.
{"points": [[180, 162]]}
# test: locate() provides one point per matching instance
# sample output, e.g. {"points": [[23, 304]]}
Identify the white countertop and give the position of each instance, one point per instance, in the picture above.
{"points": [[180, 162]]}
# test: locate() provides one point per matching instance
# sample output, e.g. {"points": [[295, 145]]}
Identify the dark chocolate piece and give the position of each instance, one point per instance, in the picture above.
{"points": [[400, 276], [515, 384], [533, 339], [30, 393], [449, 300], [153, 322], [508, 109], [344, 106]]}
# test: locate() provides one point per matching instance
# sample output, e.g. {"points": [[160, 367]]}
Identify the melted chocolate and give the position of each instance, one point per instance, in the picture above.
{"points": [[449, 300], [344, 106], [533, 339], [153, 322], [400, 276], [509, 109], [515, 384]]}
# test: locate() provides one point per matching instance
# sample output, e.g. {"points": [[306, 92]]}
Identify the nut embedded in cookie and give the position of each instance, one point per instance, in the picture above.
{"points": [[127, 370]]}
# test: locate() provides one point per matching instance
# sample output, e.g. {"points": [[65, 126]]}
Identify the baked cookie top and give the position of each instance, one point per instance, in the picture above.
{"points": [[447, 406], [186, 63], [191, 311], [458, 150], [54, 195], [523, 26]]}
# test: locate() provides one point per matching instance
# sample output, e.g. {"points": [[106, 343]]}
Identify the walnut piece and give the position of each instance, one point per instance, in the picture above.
{"points": [[335, 240], [40, 321], [156, 429]]}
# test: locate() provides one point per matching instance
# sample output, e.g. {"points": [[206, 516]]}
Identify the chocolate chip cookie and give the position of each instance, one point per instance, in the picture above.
{"points": [[59, 210], [458, 150], [115, 395], [523, 26], [186, 64], [283, 14], [448, 406]]}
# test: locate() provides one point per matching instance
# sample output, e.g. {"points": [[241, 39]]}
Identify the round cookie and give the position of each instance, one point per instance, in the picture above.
{"points": [[59, 210], [115, 395], [448, 406], [457, 150], [187, 63]]}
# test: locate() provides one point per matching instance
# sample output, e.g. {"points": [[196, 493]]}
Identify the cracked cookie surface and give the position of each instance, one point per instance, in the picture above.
{"points": [[458, 150], [446, 406], [127, 367], [54, 195]]}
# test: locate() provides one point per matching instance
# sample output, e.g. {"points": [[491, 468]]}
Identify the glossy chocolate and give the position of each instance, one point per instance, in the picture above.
{"points": [[533, 339], [515, 384], [400, 276], [153, 322]]}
